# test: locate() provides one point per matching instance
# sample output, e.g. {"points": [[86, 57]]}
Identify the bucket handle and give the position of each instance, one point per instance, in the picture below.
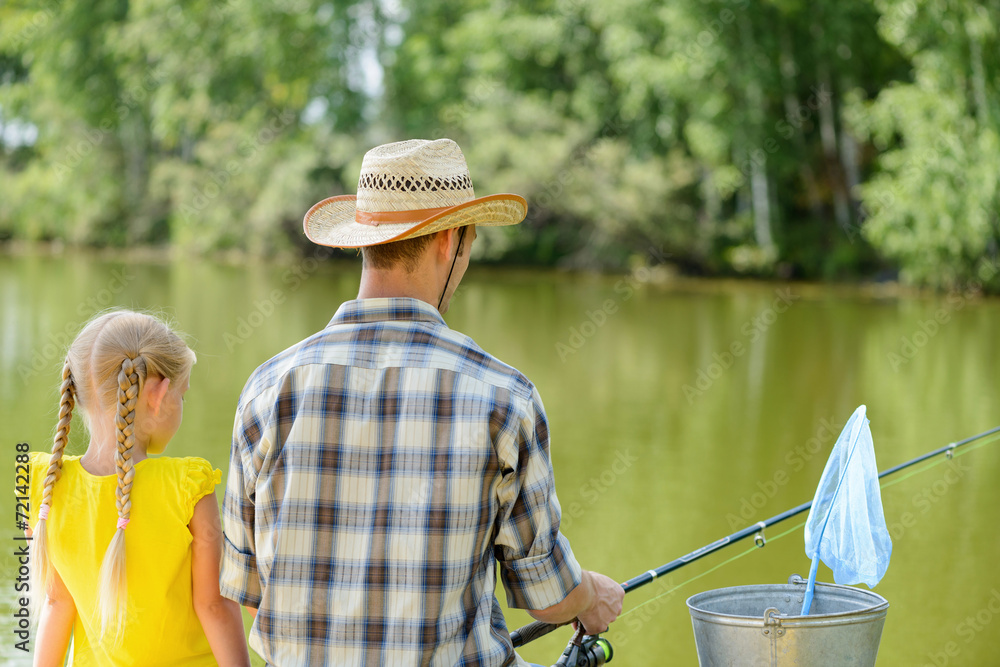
{"points": [[772, 621]]}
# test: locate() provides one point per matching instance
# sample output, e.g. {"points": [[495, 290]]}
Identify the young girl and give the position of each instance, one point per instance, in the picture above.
{"points": [[126, 548]]}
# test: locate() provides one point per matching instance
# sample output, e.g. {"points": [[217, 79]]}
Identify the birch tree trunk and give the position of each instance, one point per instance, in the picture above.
{"points": [[828, 136], [761, 204], [761, 208]]}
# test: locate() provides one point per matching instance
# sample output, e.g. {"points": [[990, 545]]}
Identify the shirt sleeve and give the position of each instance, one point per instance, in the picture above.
{"points": [[537, 565], [200, 480], [239, 579]]}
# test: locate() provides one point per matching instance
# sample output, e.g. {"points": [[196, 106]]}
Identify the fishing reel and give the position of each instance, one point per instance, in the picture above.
{"points": [[586, 651]]}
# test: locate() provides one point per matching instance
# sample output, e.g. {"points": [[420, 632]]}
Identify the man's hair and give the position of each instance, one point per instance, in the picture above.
{"points": [[389, 255]]}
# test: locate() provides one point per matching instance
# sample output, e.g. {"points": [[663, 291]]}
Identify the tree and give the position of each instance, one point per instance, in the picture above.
{"points": [[933, 205], [185, 123], [709, 130], [733, 137]]}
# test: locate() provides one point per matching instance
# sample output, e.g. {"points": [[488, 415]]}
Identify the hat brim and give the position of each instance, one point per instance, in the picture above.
{"points": [[332, 222]]}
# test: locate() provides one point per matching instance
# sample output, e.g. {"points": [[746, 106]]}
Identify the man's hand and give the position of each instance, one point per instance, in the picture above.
{"points": [[606, 603], [595, 602]]}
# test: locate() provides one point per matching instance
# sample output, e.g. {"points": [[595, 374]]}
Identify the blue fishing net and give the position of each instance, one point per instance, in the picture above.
{"points": [[846, 526]]}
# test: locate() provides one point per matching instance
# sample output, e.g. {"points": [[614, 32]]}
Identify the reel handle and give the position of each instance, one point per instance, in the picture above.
{"points": [[586, 651], [531, 632]]}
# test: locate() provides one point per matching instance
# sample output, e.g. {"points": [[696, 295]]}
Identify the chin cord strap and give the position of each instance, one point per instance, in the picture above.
{"points": [[461, 237]]}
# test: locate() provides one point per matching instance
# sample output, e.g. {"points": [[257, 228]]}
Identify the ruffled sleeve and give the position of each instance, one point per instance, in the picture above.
{"points": [[201, 479]]}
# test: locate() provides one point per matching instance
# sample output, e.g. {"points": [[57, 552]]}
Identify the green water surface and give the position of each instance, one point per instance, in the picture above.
{"points": [[678, 414]]}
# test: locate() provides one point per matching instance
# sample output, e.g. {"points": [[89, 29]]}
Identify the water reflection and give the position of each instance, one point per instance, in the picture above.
{"points": [[647, 470]]}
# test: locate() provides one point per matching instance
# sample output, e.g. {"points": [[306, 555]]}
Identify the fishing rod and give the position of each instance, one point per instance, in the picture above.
{"points": [[533, 631]]}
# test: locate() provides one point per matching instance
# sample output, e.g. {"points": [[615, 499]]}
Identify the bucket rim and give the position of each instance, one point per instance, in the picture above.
{"points": [[879, 607]]}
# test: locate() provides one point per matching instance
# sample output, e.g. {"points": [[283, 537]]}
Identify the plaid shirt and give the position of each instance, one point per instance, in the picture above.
{"points": [[380, 469]]}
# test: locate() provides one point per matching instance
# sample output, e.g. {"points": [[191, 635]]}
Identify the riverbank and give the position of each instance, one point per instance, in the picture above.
{"points": [[659, 276]]}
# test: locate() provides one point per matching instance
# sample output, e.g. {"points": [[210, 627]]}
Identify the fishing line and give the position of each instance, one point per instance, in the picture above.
{"points": [[712, 569], [955, 455], [536, 629], [791, 530]]}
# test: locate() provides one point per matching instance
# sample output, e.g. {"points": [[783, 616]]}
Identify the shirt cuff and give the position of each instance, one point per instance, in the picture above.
{"points": [[238, 579], [540, 582]]}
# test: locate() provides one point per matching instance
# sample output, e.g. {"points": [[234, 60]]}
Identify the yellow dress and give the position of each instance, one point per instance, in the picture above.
{"points": [[161, 625]]}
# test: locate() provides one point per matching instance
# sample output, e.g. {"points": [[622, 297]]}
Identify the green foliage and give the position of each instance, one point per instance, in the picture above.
{"points": [[706, 130], [160, 121], [812, 139], [934, 203]]}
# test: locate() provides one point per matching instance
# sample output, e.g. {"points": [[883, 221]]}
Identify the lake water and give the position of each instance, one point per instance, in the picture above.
{"points": [[678, 414]]}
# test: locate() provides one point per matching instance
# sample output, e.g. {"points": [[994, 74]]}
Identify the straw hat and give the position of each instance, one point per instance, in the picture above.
{"points": [[408, 189]]}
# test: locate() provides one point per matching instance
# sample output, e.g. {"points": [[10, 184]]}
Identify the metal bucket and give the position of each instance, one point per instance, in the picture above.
{"points": [[760, 626]]}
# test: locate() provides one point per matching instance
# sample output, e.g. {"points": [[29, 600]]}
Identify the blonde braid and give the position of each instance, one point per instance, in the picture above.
{"points": [[128, 393], [113, 585], [40, 566]]}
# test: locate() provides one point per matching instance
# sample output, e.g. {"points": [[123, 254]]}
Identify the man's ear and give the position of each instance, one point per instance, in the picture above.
{"points": [[154, 391], [446, 241]]}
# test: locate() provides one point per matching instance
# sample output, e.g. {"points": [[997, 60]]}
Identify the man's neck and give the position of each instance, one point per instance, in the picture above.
{"points": [[396, 283]]}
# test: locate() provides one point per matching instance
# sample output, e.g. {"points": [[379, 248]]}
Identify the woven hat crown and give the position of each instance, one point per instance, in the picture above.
{"points": [[413, 175], [407, 189]]}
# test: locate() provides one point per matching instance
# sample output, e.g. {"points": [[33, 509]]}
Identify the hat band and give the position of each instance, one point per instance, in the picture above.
{"points": [[377, 218]]}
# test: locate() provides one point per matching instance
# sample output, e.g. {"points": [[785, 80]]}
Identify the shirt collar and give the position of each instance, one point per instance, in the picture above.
{"points": [[392, 308]]}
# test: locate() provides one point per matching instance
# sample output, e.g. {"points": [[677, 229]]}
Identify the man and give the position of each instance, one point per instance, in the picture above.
{"points": [[382, 467]]}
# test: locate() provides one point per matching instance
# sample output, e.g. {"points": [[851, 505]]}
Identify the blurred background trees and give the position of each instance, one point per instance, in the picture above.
{"points": [[816, 140]]}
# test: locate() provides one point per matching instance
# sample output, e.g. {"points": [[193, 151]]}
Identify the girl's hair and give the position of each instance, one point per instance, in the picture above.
{"points": [[106, 368]]}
